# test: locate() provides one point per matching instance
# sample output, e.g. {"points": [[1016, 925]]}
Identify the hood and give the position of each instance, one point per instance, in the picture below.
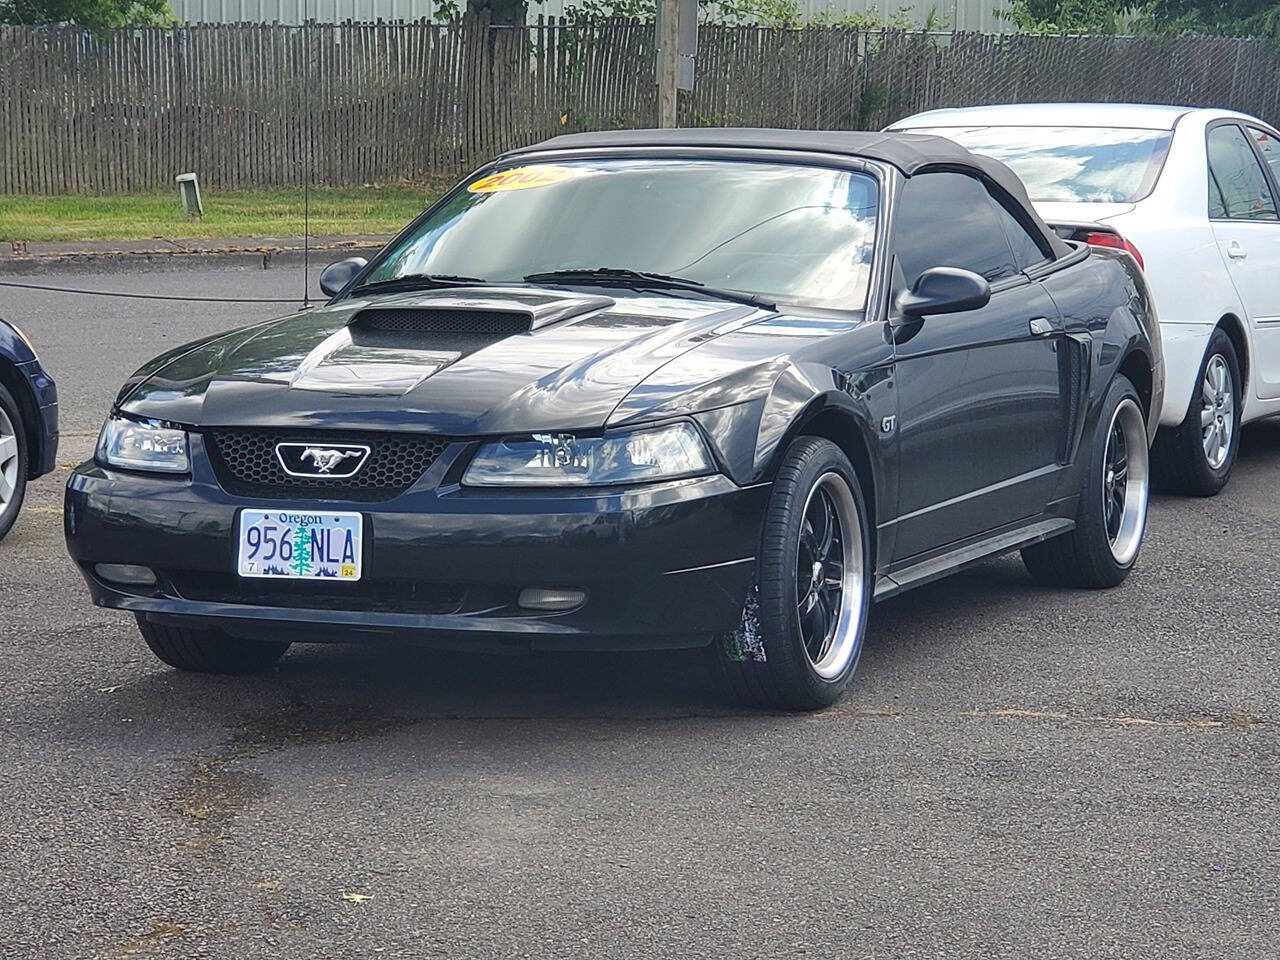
{"points": [[459, 362], [1055, 213]]}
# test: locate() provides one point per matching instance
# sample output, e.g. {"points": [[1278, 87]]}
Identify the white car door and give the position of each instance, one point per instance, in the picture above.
{"points": [[1246, 225]]}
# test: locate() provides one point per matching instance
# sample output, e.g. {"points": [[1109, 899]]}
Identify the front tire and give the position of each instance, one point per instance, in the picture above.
{"points": [[1195, 458], [13, 461], [209, 651], [1111, 518], [803, 626]]}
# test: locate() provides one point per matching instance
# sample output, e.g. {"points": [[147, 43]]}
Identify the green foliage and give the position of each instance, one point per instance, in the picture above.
{"points": [[503, 12], [872, 100], [791, 13], [510, 12], [1065, 16], [1234, 18], [869, 19], [766, 13], [592, 11], [94, 14], [784, 14]]}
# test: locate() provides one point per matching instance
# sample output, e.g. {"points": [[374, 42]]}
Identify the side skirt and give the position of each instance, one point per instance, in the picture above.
{"points": [[968, 554]]}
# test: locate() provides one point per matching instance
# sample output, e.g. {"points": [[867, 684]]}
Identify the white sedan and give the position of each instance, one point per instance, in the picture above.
{"points": [[1192, 195]]}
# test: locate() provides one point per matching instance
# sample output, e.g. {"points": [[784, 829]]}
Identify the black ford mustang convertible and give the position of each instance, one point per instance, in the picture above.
{"points": [[716, 388]]}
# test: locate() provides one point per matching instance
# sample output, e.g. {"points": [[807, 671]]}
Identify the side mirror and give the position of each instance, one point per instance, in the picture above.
{"points": [[945, 290], [337, 275]]}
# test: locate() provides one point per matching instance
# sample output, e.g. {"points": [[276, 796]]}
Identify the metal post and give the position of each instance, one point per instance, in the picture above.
{"points": [[668, 60]]}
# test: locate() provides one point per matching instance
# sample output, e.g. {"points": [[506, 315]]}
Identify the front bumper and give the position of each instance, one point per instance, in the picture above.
{"points": [[1184, 348], [663, 565], [45, 394]]}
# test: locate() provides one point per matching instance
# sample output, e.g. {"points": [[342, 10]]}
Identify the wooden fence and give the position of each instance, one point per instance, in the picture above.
{"points": [[255, 105]]}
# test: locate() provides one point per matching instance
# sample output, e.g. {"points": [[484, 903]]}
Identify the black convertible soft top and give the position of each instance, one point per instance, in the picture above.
{"points": [[909, 152]]}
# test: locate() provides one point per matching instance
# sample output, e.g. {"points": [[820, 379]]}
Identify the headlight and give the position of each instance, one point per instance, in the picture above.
{"points": [[563, 460], [137, 445]]}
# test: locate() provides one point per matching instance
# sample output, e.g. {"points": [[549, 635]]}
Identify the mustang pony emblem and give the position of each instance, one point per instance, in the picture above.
{"points": [[325, 459], [313, 460]]}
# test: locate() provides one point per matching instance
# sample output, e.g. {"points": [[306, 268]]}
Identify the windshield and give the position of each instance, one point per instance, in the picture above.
{"points": [[1071, 164], [794, 233]]}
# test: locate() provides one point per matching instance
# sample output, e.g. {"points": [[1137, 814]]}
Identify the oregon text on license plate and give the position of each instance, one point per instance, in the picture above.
{"points": [[302, 545]]}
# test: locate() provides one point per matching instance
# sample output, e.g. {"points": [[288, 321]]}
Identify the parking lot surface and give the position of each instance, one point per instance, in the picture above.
{"points": [[1015, 772]]}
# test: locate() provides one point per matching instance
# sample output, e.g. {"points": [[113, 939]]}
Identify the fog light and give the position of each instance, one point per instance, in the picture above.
{"points": [[550, 598], [126, 574]]}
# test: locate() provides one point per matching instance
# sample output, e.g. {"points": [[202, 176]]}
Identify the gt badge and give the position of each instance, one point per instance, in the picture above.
{"points": [[315, 460], [887, 424]]}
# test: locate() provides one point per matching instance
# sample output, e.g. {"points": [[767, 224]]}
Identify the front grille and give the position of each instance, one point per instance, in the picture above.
{"points": [[363, 596], [245, 463], [487, 322]]}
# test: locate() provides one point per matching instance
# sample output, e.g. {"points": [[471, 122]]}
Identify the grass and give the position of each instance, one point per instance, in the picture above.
{"points": [[231, 213]]}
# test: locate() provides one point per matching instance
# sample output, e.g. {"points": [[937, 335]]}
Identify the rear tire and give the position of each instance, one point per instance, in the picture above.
{"points": [[804, 623], [1182, 457], [14, 464], [1111, 518], [209, 651]]}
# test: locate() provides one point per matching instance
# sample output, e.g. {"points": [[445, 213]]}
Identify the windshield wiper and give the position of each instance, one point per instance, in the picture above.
{"points": [[419, 281], [640, 280]]}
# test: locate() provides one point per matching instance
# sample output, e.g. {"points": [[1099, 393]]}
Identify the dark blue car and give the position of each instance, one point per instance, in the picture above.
{"points": [[28, 421]]}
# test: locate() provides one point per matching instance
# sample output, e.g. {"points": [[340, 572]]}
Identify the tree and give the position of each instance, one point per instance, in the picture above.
{"points": [[501, 12], [94, 14], [1234, 18], [1065, 16]]}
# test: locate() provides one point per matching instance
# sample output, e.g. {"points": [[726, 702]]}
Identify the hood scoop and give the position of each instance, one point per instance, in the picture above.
{"points": [[491, 323], [388, 349], [496, 312]]}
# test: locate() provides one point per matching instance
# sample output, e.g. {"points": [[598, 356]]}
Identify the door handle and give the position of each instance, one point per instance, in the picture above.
{"points": [[1040, 327], [1236, 250]]}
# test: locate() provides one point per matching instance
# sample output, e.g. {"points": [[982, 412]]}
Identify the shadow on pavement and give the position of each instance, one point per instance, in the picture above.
{"points": [[1260, 443], [320, 688], [363, 688]]}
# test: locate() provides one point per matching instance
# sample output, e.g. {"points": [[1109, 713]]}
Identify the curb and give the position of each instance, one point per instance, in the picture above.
{"points": [[263, 256]]}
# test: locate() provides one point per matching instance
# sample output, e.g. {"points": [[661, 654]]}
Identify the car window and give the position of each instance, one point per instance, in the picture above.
{"points": [[950, 220], [1237, 186], [802, 234], [1071, 164], [1269, 146], [1026, 251], [1217, 204]]}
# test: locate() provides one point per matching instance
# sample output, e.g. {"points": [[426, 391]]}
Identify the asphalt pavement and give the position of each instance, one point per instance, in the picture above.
{"points": [[1015, 772]]}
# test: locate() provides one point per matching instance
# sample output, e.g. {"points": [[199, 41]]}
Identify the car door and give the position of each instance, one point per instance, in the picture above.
{"points": [[1246, 226], [978, 391]]}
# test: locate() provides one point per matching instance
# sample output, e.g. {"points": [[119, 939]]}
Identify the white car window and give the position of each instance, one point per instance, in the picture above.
{"points": [[1071, 164], [1237, 186], [1269, 147]]}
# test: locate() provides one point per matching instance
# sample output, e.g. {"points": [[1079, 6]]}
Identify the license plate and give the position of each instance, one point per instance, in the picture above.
{"points": [[300, 546]]}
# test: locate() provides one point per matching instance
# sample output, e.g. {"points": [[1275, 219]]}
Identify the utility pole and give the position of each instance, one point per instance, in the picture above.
{"points": [[668, 60]]}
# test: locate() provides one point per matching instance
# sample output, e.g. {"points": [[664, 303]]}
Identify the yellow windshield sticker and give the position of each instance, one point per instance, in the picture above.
{"points": [[521, 178]]}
